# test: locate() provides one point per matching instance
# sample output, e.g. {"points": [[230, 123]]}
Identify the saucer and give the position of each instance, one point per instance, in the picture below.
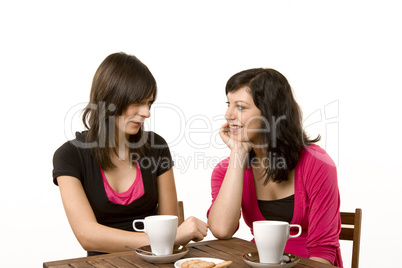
{"points": [[179, 262], [177, 254], [253, 260]]}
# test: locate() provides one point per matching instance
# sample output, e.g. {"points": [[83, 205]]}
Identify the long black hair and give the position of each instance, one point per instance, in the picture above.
{"points": [[120, 80], [284, 137]]}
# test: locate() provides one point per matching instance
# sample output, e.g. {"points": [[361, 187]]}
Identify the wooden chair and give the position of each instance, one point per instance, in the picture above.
{"points": [[180, 208], [350, 230]]}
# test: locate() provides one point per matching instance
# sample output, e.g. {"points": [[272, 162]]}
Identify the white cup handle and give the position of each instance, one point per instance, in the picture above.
{"points": [[135, 228], [299, 233]]}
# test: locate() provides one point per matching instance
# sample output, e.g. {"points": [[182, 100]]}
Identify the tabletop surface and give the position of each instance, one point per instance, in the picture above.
{"points": [[231, 249]]}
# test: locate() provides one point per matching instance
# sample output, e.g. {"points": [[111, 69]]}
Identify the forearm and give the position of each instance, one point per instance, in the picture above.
{"points": [[92, 235], [322, 260], [223, 219], [97, 237]]}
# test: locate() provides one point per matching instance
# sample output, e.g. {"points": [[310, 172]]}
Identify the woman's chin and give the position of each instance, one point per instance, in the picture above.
{"points": [[240, 138]]}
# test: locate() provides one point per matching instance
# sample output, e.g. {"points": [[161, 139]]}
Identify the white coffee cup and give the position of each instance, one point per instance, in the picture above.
{"points": [[271, 237], [161, 231]]}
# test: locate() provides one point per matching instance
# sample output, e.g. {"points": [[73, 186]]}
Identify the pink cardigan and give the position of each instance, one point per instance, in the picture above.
{"points": [[316, 207]]}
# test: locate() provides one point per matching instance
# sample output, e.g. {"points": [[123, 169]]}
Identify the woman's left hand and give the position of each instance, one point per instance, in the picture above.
{"points": [[191, 229]]}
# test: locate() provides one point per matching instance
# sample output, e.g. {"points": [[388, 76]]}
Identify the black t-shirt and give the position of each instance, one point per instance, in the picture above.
{"points": [[73, 159]]}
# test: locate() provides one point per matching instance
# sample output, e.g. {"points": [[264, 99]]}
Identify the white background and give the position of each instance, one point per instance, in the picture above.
{"points": [[342, 58]]}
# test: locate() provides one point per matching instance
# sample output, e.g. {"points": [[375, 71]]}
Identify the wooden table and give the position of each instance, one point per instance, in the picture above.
{"points": [[232, 249]]}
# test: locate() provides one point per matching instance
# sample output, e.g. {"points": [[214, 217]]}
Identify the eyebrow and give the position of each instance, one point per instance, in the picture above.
{"points": [[242, 101]]}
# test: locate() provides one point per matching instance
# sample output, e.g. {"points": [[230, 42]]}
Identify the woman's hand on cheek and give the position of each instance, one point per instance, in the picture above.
{"points": [[192, 229], [233, 142], [224, 132]]}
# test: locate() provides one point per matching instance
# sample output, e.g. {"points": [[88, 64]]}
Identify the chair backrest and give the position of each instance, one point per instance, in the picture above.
{"points": [[180, 208], [351, 230]]}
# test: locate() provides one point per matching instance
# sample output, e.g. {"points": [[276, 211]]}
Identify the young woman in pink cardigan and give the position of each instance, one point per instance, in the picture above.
{"points": [[274, 171]]}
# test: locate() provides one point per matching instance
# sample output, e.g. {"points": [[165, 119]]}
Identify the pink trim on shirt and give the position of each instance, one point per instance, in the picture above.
{"points": [[135, 191]]}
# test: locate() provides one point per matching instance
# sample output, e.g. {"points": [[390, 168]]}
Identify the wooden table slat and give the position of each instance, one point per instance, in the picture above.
{"points": [[231, 249], [120, 262], [226, 256], [81, 265], [134, 260], [101, 264]]}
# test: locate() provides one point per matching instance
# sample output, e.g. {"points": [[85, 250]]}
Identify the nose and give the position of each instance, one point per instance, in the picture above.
{"points": [[229, 115], [144, 111]]}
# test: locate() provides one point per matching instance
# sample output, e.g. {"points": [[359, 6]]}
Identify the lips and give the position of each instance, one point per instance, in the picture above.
{"points": [[234, 128], [136, 123]]}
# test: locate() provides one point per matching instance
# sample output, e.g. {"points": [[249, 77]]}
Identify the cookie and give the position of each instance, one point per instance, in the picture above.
{"points": [[197, 264], [223, 264]]}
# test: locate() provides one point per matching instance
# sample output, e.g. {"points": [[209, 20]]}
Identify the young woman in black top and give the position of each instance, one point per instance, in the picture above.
{"points": [[116, 172]]}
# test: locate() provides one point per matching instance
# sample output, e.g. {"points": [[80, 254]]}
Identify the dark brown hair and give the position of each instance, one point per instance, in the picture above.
{"points": [[120, 80], [285, 137]]}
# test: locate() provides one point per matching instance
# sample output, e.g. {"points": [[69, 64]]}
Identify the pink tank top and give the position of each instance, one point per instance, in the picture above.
{"points": [[135, 191]]}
